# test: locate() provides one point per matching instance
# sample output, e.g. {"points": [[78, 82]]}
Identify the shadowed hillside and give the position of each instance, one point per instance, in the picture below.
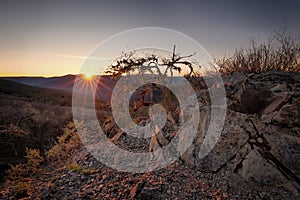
{"points": [[53, 96], [30, 117], [62, 83]]}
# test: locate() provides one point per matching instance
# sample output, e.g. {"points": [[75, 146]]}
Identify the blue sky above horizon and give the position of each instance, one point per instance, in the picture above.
{"points": [[53, 37]]}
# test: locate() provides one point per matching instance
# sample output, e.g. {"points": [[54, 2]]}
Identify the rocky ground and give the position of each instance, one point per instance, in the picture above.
{"points": [[256, 157], [178, 181]]}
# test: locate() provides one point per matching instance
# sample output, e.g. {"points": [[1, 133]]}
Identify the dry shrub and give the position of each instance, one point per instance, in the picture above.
{"points": [[61, 151], [279, 53], [65, 145], [31, 167], [19, 178], [34, 159]]}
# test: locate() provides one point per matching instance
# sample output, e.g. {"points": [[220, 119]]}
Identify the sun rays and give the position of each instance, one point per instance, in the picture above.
{"points": [[87, 83], [88, 76], [92, 85]]}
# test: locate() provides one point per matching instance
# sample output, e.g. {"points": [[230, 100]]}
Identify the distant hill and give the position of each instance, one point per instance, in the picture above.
{"points": [[66, 83], [54, 96], [61, 83]]}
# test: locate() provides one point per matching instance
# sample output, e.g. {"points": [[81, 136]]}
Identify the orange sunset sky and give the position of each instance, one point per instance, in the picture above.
{"points": [[53, 38]]}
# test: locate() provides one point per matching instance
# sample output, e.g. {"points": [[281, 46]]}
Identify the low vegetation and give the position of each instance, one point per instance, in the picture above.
{"points": [[280, 53], [30, 168], [65, 145], [21, 177]]}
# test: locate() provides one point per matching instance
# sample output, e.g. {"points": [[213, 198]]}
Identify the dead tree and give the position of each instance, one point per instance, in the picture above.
{"points": [[129, 63], [164, 67]]}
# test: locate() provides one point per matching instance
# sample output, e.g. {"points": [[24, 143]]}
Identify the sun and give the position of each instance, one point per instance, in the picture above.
{"points": [[87, 83], [88, 76]]}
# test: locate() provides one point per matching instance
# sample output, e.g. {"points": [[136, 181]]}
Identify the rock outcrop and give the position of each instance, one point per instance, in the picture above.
{"points": [[260, 141]]}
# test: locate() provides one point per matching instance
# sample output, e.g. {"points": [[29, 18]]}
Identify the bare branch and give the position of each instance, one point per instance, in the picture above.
{"points": [[129, 63]]}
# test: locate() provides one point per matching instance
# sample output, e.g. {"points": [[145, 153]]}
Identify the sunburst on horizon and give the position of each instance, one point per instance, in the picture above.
{"points": [[88, 76]]}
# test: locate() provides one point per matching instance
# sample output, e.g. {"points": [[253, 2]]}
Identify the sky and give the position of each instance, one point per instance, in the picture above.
{"points": [[52, 38]]}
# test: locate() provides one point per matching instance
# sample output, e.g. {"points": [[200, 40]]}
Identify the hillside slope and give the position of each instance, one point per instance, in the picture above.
{"points": [[61, 82], [54, 96], [29, 117], [256, 157]]}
